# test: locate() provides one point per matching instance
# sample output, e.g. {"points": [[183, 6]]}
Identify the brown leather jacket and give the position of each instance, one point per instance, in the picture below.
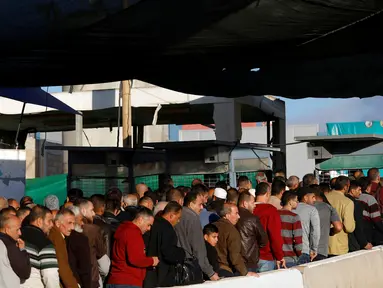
{"points": [[67, 278], [253, 237], [229, 248]]}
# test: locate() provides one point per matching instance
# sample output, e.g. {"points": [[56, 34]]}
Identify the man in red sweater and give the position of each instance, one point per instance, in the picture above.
{"points": [[129, 261], [271, 222]]}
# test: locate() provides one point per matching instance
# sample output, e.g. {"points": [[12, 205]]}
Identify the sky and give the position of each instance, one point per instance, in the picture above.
{"points": [[322, 111], [52, 89]]}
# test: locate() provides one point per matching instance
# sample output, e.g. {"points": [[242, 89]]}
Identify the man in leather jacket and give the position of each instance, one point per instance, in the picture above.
{"points": [[112, 208], [253, 236]]}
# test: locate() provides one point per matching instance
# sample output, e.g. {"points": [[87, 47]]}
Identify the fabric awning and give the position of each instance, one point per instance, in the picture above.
{"points": [[352, 162], [36, 96]]}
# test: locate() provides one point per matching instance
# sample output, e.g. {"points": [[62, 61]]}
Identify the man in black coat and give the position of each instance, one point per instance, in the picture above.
{"points": [[357, 240], [163, 243], [79, 258], [112, 208]]}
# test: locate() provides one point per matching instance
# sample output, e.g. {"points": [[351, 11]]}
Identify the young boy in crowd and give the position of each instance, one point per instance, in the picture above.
{"points": [[210, 234]]}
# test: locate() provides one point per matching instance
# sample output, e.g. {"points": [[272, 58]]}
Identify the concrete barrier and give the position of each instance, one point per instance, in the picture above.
{"points": [[290, 278], [360, 269], [353, 270]]}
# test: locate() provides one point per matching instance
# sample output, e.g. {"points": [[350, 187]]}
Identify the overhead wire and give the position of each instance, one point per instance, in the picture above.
{"points": [[86, 137], [259, 158], [341, 28]]}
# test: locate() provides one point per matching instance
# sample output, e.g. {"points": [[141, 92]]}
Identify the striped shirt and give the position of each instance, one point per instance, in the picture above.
{"points": [[371, 217], [42, 254], [371, 210], [291, 233]]}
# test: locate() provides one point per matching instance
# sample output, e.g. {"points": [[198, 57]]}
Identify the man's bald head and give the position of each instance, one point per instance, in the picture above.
{"points": [[3, 203], [176, 196], [129, 200], [141, 188], [293, 182], [8, 211], [13, 203], [5, 220], [146, 202], [160, 207], [10, 225]]}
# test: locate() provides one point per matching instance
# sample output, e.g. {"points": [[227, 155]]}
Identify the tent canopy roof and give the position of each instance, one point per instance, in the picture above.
{"points": [[316, 48], [199, 111], [352, 162], [343, 144]]}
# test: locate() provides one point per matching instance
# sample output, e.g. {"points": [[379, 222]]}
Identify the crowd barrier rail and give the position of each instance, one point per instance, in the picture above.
{"points": [[361, 269]]}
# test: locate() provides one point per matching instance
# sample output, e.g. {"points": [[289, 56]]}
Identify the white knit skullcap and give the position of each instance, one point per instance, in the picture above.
{"points": [[220, 193]]}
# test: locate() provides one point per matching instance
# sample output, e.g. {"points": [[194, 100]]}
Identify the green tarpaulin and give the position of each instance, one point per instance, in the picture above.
{"points": [[352, 162], [39, 188]]}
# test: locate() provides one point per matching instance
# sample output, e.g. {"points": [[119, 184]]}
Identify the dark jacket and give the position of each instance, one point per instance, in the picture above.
{"points": [[111, 220], [253, 237], [212, 255], [18, 259], [67, 278], [163, 243], [229, 248], [113, 223], [216, 206], [79, 258], [106, 230], [97, 249], [357, 240], [128, 214]]}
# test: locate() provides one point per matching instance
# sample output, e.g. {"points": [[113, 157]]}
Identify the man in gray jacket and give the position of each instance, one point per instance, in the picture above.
{"points": [[310, 224], [189, 232]]}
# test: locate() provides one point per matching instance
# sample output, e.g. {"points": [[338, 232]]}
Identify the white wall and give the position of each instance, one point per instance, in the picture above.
{"points": [[104, 137], [296, 156]]}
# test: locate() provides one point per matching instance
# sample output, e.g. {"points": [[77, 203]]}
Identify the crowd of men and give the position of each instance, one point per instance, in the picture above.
{"points": [[137, 240]]}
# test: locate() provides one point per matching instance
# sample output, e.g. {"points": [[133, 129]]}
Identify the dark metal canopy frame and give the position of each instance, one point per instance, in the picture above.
{"points": [[115, 167], [316, 48], [119, 166]]}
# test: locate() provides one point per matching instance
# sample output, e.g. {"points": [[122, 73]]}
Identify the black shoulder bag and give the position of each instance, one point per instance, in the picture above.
{"points": [[189, 272]]}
